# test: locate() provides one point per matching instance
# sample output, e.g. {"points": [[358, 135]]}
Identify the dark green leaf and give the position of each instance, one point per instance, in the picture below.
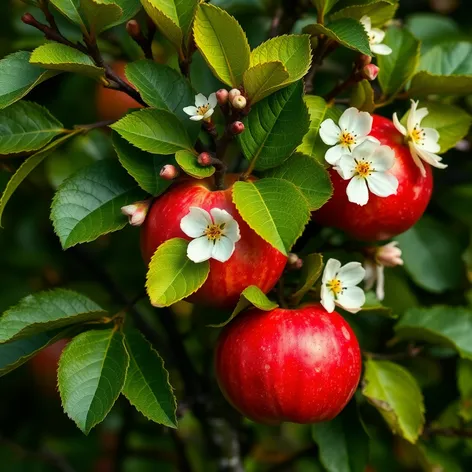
{"points": [[378, 11], [362, 96], [310, 273]]}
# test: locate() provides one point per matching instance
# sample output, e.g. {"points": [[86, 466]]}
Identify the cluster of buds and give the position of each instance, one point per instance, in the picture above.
{"points": [[366, 69], [294, 262], [234, 97]]}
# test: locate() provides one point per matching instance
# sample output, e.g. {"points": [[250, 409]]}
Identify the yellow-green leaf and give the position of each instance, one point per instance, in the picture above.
{"points": [[263, 79], [188, 162]]}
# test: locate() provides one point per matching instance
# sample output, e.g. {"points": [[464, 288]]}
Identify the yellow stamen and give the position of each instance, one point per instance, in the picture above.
{"points": [[203, 109], [417, 134], [214, 232], [364, 169], [335, 286], [347, 139]]}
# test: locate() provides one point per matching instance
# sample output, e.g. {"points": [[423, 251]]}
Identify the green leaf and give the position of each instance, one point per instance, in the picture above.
{"points": [[362, 96], [142, 166], [275, 127], [444, 70], [319, 111], [251, 296], [101, 14], [263, 79], [263, 206], [26, 126], [223, 44], [396, 69], [432, 256], [164, 88], [379, 12], [188, 162], [343, 442], [64, 58], [45, 311], [155, 131], [309, 275], [16, 353], [324, 6], [395, 393], [374, 307], [28, 166], [447, 326], [91, 374], [347, 32], [431, 28], [70, 9], [147, 384], [310, 178], [464, 384], [88, 204], [293, 51], [172, 276], [18, 77]]}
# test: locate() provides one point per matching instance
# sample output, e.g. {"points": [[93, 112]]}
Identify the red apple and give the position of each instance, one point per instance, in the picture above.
{"points": [[254, 261], [112, 104], [301, 365], [381, 218]]}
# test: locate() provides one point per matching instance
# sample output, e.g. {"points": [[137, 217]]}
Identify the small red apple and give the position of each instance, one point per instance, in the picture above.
{"points": [[254, 261], [301, 365], [381, 218]]}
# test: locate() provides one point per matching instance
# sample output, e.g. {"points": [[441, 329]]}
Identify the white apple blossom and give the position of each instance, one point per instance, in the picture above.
{"points": [[376, 36], [203, 109], [389, 255], [353, 129], [338, 286], [367, 168], [423, 142], [214, 233]]}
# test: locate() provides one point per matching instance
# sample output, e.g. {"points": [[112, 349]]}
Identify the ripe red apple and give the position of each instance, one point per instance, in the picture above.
{"points": [[301, 365], [112, 104], [381, 218], [254, 261]]}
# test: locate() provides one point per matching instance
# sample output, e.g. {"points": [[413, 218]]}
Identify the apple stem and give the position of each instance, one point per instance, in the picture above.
{"points": [[281, 293]]}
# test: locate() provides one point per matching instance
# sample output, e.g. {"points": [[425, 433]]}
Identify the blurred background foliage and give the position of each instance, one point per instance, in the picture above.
{"points": [[36, 436]]}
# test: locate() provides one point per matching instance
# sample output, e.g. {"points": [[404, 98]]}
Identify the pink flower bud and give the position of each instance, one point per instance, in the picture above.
{"points": [[204, 159], [169, 172], [239, 102], [233, 93], [133, 28], [370, 72], [237, 127], [294, 262], [136, 212], [364, 60], [222, 96], [389, 255]]}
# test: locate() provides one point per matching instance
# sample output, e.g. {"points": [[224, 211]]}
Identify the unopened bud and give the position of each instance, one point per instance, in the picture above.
{"points": [[239, 102], [364, 60], [222, 96], [237, 127], [169, 172], [28, 19], [133, 28], [294, 262], [370, 72], [204, 159], [389, 255], [136, 212], [233, 93]]}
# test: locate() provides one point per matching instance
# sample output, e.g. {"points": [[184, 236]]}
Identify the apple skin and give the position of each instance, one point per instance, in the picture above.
{"points": [[301, 365], [112, 104], [381, 218], [254, 261]]}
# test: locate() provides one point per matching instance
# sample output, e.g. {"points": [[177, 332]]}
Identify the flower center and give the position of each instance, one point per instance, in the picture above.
{"points": [[335, 286], [203, 109], [214, 232], [347, 139], [364, 169], [417, 134]]}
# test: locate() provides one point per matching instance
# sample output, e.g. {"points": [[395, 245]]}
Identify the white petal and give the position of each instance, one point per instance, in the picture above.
{"points": [[220, 216], [366, 22], [363, 139], [431, 137], [351, 274], [365, 150], [329, 132], [191, 111], [222, 249], [421, 114], [380, 289], [346, 167], [327, 299], [412, 116], [199, 249], [208, 113], [231, 231], [379, 36], [348, 119], [398, 125], [431, 158], [194, 223], [381, 49], [382, 184], [212, 101], [416, 158], [357, 191], [200, 100], [197, 118], [360, 123], [383, 158], [370, 274], [351, 299], [330, 270], [333, 154]]}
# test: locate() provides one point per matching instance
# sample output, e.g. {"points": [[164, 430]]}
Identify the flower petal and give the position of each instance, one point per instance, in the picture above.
{"points": [[366, 22], [360, 123], [380, 289], [208, 113], [231, 231], [191, 111], [212, 101], [398, 125], [365, 150], [200, 100], [379, 36], [370, 274], [327, 299], [334, 153], [330, 132], [223, 249], [351, 274], [381, 49], [416, 158], [194, 223], [348, 119], [382, 184], [351, 299], [330, 270], [199, 249], [197, 118], [383, 158], [431, 137], [346, 167], [431, 158], [220, 216], [421, 114], [357, 191]]}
